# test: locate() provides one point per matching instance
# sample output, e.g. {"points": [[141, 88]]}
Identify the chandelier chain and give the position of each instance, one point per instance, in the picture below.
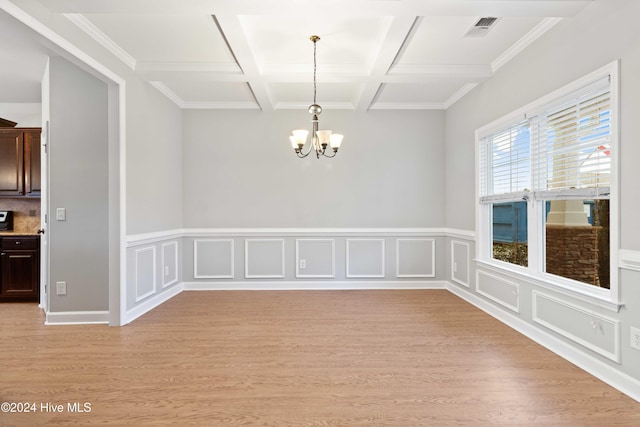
{"points": [[314, 72]]}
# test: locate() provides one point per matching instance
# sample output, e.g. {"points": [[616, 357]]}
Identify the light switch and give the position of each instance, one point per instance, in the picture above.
{"points": [[61, 214]]}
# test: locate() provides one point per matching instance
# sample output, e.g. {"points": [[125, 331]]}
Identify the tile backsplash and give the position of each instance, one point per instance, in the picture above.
{"points": [[26, 213]]}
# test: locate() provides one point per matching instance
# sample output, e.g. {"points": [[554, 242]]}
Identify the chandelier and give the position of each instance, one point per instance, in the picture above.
{"points": [[319, 138]]}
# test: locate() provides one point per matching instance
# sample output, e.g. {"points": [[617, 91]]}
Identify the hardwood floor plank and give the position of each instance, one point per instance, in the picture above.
{"points": [[298, 358]]}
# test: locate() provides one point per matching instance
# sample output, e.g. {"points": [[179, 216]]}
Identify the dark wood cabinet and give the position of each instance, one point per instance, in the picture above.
{"points": [[19, 268], [11, 162], [20, 162], [32, 163]]}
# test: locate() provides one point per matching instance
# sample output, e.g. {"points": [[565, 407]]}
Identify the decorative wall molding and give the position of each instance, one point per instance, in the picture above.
{"points": [[576, 321], [77, 318], [358, 263], [145, 273], [147, 238], [155, 237], [588, 298], [629, 260], [227, 269], [317, 232], [254, 269], [169, 271], [300, 252], [426, 260], [455, 275], [499, 290]]}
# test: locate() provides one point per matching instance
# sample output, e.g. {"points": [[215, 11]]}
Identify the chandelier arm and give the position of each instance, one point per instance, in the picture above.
{"points": [[333, 155], [302, 155]]}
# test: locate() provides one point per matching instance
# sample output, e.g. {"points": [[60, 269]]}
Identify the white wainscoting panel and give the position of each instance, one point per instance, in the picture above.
{"points": [[415, 258], [145, 272], [365, 258], [592, 330], [169, 263], [460, 262], [629, 260], [497, 289], [264, 258], [213, 259], [315, 258]]}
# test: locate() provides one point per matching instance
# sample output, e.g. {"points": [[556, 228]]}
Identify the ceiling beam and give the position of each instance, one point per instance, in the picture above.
{"points": [[194, 71], [399, 31], [233, 33]]}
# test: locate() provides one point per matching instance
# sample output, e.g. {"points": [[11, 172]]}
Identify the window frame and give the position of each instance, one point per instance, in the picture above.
{"points": [[535, 208]]}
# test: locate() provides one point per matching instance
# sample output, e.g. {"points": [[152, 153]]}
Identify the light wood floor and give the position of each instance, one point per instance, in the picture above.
{"points": [[298, 358]]}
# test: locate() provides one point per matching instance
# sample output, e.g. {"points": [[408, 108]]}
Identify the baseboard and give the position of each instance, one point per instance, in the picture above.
{"points": [[311, 285], [151, 303], [599, 369], [77, 318]]}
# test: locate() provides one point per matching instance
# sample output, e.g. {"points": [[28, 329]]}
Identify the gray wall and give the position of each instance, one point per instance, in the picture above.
{"points": [[78, 182], [240, 170], [603, 32], [154, 160]]}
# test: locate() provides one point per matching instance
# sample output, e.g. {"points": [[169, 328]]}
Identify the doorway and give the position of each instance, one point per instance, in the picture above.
{"points": [[87, 300]]}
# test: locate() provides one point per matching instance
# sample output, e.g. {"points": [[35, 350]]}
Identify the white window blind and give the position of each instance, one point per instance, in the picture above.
{"points": [[505, 171], [572, 149]]}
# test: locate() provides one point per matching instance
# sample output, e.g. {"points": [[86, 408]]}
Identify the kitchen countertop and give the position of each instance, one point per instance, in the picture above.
{"points": [[18, 233]]}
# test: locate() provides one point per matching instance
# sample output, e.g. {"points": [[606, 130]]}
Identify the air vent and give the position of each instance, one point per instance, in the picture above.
{"points": [[481, 27]]}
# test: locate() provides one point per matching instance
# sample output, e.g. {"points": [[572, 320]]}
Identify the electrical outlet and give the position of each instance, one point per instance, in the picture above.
{"points": [[635, 338], [61, 288], [455, 267], [166, 270], [61, 214], [303, 263]]}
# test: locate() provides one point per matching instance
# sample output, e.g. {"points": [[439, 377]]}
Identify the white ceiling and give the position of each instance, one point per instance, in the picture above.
{"points": [[256, 54]]}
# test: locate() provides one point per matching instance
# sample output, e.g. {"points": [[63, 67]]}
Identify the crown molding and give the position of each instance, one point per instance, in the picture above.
{"points": [[214, 67], [168, 93], [220, 105], [87, 26], [537, 31], [407, 106], [465, 89], [469, 71]]}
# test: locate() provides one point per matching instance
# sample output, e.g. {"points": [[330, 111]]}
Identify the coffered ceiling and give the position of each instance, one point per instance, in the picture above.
{"points": [[256, 54]]}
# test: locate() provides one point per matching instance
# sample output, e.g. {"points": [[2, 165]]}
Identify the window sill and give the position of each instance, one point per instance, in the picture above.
{"points": [[598, 297]]}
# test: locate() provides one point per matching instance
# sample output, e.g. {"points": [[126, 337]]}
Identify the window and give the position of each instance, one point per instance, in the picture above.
{"points": [[506, 162], [546, 178]]}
